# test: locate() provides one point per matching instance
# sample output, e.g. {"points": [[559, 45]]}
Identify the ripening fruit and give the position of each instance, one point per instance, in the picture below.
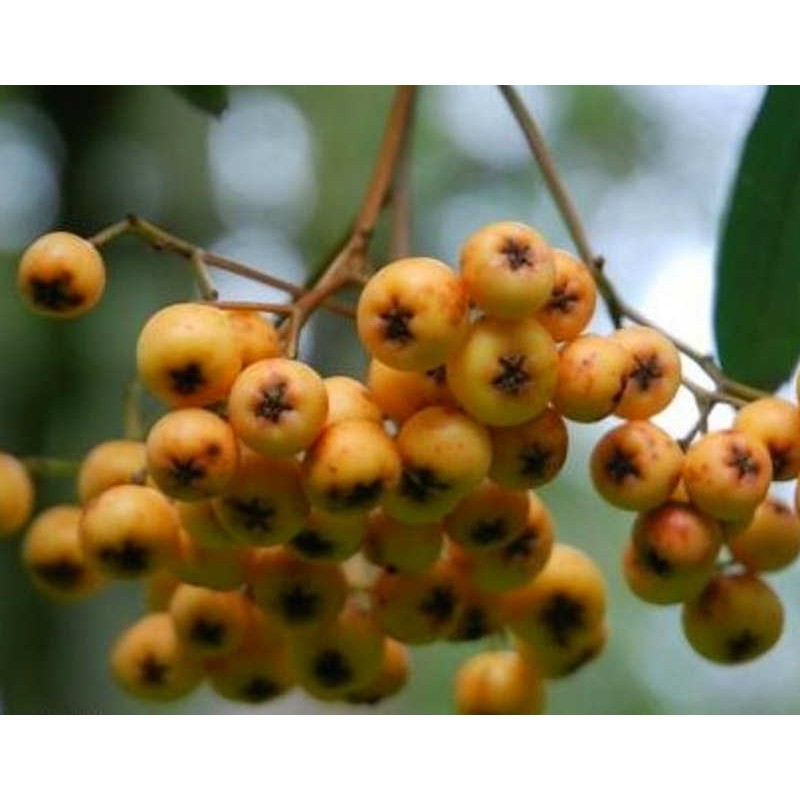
{"points": [[735, 619], [636, 466], [350, 399], [192, 454], [399, 547], [776, 422], [278, 406], [61, 275], [265, 503], [202, 524], [158, 588], [517, 562], [259, 669], [488, 517], [444, 454], [508, 269], [188, 355], [417, 609], [52, 554], [350, 467], [412, 314], [529, 455], [149, 661], [504, 372], [592, 375], [727, 473], [571, 304], [499, 682], [129, 532], [562, 602], [655, 377], [393, 676], [297, 592], [772, 539], [329, 537], [111, 463], [257, 337], [478, 614], [16, 495], [400, 394], [340, 657], [208, 622], [672, 553]]}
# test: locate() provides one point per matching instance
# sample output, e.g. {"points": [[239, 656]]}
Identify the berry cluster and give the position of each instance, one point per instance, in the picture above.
{"points": [[298, 530]]}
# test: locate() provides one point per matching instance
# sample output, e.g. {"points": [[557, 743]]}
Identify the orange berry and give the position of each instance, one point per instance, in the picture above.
{"points": [[111, 463], [149, 661], [655, 377], [592, 375], [412, 313], [772, 539], [504, 372], [393, 676], [400, 394], [350, 399], [220, 568], [727, 473], [508, 269], [203, 525], [192, 454], [499, 682], [278, 406], [16, 495], [636, 466], [329, 537], [188, 355], [559, 662], [571, 304], [129, 532], [61, 275], [257, 337], [52, 554], [776, 422], [399, 547]]}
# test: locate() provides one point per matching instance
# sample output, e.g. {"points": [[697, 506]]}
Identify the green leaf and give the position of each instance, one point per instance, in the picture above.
{"points": [[211, 99], [757, 305]]}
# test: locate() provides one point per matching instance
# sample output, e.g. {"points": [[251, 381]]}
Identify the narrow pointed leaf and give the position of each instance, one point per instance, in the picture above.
{"points": [[211, 99]]}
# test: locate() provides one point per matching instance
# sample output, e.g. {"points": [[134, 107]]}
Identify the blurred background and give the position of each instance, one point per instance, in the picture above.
{"points": [[274, 182]]}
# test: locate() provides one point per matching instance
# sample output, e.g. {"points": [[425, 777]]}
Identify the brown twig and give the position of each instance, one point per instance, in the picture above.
{"points": [[729, 391]]}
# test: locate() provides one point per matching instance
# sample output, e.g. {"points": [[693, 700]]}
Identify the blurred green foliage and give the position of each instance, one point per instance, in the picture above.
{"points": [[146, 150]]}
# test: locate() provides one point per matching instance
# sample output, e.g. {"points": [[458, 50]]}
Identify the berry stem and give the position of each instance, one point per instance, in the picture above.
{"points": [[729, 391], [47, 467], [133, 423]]}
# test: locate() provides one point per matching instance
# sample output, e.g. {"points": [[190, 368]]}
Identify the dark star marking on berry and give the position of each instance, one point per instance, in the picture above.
{"points": [[396, 324], [473, 625], [562, 300], [741, 459], [273, 404], [331, 669], [55, 294], [438, 374], [359, 495], [439, 604], [184, 472], [742, 647], [152, 672], [534, 461], [562, 616], [187, 380], [517, 253], [312, 544], [62, 574], [646, 372], [420, 484], [299, 604], [259, 689], [512, 377], [521, 548], [656, 563], [489, 531], [620, 466], [254, 514], [208, 632], [128, 557]]}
